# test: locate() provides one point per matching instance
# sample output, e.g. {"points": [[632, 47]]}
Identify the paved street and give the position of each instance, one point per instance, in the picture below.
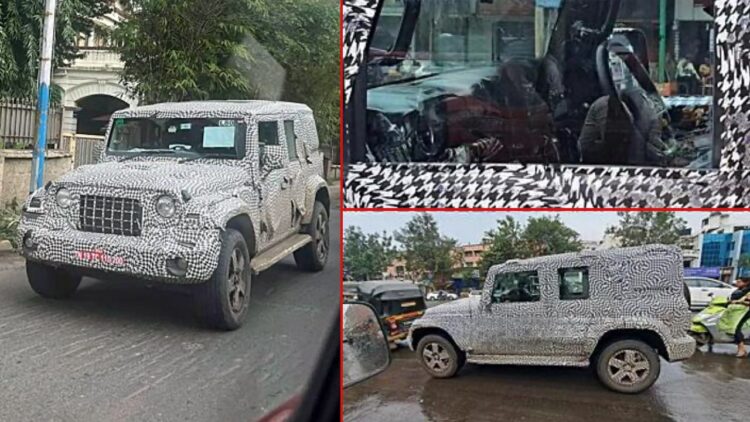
{"points": [[709, 386], [129, 352]]}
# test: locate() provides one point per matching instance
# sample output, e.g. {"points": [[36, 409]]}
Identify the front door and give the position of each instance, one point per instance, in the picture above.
{"points": [[513, 323], [276, 197]]}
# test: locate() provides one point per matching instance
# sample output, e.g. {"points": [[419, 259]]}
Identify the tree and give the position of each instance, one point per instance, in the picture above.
{"points": [[645, 228], [176, 50], [427, 253], [367, 256], [540, 236], [549, 236], [20, 39], [505, 243]]}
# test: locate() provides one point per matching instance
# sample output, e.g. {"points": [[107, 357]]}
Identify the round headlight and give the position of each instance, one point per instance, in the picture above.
{"points": [[165, 206], [64, 198]]}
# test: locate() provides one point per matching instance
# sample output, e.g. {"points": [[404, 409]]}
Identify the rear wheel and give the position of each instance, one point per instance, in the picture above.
{"points": [[628, 366], [51, 282], [314, 255], [222, 301], [439, 357]]}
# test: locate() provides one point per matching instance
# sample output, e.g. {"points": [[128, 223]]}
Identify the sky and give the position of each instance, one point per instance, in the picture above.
{"points": [[469, 227]]}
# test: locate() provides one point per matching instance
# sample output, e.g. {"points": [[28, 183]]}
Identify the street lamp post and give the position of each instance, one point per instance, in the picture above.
{"points": [[45, 77]]}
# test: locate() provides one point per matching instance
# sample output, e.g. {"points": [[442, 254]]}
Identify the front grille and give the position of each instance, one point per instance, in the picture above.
{"points": [[108, 215]]}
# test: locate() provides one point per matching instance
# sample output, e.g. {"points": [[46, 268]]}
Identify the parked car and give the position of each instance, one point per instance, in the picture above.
{"points": [[475, 292], [202, 194], [397, 304], [616, 310], [703, 290], [441, 295]]}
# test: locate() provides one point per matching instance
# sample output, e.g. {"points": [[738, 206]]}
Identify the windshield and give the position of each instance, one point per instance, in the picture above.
{"points": [[542, 82], [402, 306], [218, 138]]}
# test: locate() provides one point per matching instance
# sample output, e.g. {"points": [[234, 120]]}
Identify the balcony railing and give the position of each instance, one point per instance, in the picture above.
{"points": [[98, 58]]}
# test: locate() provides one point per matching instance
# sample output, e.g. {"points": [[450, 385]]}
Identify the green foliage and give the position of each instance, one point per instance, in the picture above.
{"points": [[177, 50], [10, 216], [367, 256], [20, 35], [645, 228], [427, 253], [540, 236]]}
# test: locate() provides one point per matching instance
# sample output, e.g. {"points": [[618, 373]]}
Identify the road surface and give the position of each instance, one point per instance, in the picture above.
{"points": [[707, 387], [128, 352]]}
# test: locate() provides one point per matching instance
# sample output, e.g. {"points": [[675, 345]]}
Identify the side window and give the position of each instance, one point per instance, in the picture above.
{"points": [[691, 282], [574, 283], [516, 287], [291, 140], [268, 133]]}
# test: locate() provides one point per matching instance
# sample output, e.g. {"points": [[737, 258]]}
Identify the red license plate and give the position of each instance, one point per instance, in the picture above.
{"points": [[100, 256]]}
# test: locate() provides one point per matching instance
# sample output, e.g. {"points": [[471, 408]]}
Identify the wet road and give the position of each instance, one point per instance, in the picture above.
{"points": [[127, 352], [708, 387]]}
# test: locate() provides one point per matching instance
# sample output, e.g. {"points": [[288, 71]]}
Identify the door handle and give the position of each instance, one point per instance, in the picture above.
{"points": [[286, 181]]}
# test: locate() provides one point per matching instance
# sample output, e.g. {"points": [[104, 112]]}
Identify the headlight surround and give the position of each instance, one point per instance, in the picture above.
{"points": [[166, 206], [63, 198]]}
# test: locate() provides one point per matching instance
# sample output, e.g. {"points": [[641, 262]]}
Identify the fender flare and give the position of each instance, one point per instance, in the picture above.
{"points": [[313, 187]]}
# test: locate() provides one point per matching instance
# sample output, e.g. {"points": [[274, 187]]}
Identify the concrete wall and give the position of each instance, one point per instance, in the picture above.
{"points": [[15, 169]]}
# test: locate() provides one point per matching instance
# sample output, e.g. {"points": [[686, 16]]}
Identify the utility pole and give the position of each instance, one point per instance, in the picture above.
{"points": [[662, 40], [45, 78]]}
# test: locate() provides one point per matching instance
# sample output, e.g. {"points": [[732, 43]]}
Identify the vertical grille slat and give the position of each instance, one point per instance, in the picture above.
{"points": [[110, 215]]}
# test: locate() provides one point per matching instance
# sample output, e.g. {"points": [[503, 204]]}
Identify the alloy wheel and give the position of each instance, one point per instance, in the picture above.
{"points": [[628, 367], [237, 282], [322, 240], [436, 357]]}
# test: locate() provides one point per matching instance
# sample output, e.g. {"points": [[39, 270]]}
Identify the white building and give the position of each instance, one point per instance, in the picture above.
{"points": [[91, 85]]}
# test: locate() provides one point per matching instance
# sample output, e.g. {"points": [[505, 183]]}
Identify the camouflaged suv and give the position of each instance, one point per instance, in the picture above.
{"points": [[617, 310], [206, 194]]}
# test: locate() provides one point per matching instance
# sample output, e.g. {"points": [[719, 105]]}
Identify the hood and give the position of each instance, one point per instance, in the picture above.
{"points": [[463, 306], [161, 176]]}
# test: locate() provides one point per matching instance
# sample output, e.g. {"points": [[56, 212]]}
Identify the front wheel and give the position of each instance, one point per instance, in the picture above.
{"points": [[628, 366], [314, 255], [222, 301], [51, 282], [439, 357]]}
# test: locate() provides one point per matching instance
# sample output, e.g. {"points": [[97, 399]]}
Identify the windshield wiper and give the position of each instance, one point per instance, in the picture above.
{"points": [[213, 155], [140, 152]]}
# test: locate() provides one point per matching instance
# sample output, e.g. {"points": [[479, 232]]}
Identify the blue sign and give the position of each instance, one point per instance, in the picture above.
{"points": [[552, 4], [710, 272]]}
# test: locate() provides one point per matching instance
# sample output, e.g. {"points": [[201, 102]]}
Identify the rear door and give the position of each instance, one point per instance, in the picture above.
{"points": [[294, 180]]}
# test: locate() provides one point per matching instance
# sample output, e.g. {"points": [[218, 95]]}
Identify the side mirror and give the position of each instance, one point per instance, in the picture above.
{"points": [[272, 158], [366, 351]]}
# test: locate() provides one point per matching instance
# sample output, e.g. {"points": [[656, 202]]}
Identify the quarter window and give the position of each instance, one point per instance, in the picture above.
{"points": [[574, 283], [291, 140], [516, 287]]}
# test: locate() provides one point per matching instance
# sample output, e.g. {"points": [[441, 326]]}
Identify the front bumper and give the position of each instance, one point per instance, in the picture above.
{"points": [[139, 257]]}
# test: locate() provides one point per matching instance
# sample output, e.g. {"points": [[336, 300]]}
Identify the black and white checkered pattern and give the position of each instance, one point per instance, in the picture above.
{"points": [[208, 193]]}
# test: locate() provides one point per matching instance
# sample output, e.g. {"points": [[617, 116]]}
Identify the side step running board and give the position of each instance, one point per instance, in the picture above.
{"points": [[278, 252]]}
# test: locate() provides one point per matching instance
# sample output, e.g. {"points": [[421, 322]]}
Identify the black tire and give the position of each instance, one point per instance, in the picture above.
{"points": [[223, 300], [640, 362], [445, 360], [51, 282], [314, 255]]}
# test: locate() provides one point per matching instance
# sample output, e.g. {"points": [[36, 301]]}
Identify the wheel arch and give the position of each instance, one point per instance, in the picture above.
{"points": [[648, 336], [316, 191], [244, 224], [420, 333]]}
